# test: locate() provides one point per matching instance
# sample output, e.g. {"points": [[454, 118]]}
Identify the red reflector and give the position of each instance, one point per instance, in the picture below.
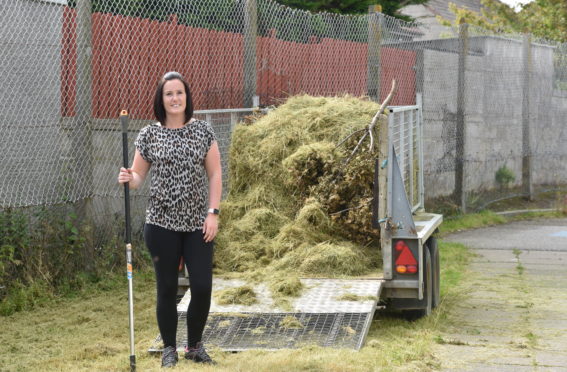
{"points": [[406, 257], [400, 245], [412, 269]]}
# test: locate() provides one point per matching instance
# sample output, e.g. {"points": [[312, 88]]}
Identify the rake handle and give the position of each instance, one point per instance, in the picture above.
{"points": [[128, 239]]}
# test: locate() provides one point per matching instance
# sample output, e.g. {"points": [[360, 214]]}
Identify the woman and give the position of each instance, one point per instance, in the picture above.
{"points": [[182, 214]]}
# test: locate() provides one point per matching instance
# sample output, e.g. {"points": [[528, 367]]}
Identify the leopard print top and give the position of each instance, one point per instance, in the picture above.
{"points": [[179, 184]]}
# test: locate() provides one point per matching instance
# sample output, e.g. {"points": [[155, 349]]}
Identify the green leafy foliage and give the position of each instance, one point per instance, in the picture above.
{"points": [[212, 14], [543, 18], [504, 176], [389, 7], [546, 19], [49, 252]]}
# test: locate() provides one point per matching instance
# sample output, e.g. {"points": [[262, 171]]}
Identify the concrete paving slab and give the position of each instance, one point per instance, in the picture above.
{"points": [[522, 235], [551, 359], [481, 367], [515, 315], [551, 369], [458, 356]]}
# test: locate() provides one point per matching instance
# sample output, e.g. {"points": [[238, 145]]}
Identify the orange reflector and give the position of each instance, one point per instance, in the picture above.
{"points": [[401, 269]]}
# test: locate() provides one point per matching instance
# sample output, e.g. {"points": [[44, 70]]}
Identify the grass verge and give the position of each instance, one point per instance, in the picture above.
{"points": [[489, 218]]}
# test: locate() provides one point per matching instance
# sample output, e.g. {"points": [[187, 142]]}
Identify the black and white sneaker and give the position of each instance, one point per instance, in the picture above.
{"points": [[198, 354], [169, 357]]}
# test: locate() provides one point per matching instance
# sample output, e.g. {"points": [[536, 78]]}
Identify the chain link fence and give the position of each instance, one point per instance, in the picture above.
{"points": [[493, 105]]}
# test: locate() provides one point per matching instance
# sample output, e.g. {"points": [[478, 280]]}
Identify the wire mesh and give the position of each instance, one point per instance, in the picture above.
{"points": [[493, 104], [405, 135], [273, 331]]}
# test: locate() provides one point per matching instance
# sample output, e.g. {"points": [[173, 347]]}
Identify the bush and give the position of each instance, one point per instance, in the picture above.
{"points": [[49, 252]]}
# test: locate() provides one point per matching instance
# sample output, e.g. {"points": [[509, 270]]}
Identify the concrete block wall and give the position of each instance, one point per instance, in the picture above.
{"points": [[493, 116]]}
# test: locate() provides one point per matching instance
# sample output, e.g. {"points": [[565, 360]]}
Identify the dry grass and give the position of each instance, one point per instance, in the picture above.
{"points": [[355, 297], [90, 333], [244, 295], [293, 207]]}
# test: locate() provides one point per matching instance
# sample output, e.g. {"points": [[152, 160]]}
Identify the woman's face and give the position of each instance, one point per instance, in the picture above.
{"points": [[174, 97]]}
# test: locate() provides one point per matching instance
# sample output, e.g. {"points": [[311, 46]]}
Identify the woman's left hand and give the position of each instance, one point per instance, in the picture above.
{"points": [[211, 227]]}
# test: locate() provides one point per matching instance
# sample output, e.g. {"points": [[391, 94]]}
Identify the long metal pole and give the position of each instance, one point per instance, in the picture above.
{"points": [[128, 239], [374, 41], [527, 163], [250, 32], [460, 175]]}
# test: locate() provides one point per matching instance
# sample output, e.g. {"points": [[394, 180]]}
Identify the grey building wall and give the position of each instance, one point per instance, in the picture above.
{"points": [[30, 71]]}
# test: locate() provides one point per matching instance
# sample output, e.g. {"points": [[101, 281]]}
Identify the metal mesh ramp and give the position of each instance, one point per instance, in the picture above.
{"points": [[319, 317]]}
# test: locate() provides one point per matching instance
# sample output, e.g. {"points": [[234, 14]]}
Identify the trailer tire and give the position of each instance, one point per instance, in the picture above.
{"points": [[435, 271], [426, 303]]}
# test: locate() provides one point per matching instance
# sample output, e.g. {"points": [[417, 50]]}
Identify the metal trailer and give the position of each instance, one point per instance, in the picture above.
{"points": [[410, 279], [409, 246]]}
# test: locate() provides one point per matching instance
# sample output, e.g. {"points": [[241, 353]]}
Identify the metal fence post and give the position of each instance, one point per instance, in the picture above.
{"points": [[527, 185], [374, 40], [82, 136], [250, 31], [460, 188]]}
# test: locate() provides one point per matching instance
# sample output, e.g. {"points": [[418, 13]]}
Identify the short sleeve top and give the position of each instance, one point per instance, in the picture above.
{"points": [[179, 183]]}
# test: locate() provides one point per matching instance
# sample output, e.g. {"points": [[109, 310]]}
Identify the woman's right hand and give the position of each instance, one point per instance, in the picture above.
{"points": [[125, 175]]}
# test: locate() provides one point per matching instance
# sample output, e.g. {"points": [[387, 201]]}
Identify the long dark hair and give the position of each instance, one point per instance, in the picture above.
{"points": [[159, 109]]}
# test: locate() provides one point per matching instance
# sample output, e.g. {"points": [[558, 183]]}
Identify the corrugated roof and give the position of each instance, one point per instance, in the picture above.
{"points": [[441, 7]]}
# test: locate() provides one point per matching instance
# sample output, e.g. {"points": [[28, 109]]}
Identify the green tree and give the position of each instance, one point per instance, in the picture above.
{"points": [[543, 18], [389, 7]]}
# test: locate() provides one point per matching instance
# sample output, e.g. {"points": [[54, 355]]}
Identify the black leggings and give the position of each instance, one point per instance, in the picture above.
{"points": [[166, 247]]}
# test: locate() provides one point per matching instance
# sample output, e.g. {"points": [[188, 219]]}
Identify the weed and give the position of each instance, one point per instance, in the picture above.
{"points": [[440, 340], [531, 339], [520, 268], [504, 176]]}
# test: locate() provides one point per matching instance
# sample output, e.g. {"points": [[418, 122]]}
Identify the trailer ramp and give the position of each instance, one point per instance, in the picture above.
{"points": [[321, 316]]}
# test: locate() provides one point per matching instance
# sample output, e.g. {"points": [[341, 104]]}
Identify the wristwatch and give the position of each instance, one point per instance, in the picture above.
{"points": [[214, 211]]}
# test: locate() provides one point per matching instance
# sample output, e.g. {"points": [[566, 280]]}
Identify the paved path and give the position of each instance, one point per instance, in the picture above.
{"points": [[513, 314]]}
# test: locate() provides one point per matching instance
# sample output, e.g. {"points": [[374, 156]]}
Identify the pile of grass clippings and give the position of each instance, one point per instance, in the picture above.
{"points": [[354, 297], [290, 322], [287, 286], [244, 295], [294, 208]]}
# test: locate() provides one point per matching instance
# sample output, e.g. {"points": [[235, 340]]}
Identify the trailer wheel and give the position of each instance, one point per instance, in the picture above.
{"points": [[426, 303], [435, 270]]}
